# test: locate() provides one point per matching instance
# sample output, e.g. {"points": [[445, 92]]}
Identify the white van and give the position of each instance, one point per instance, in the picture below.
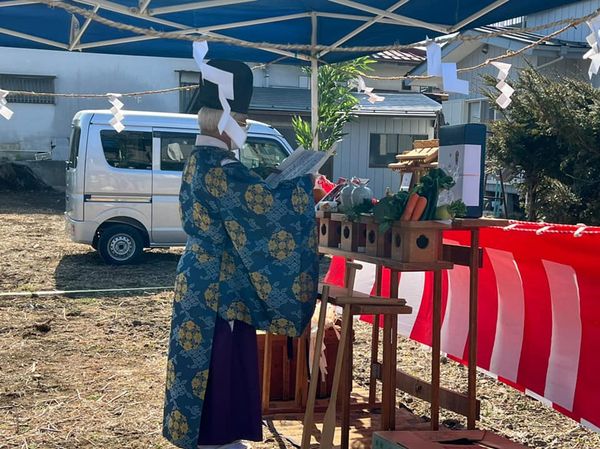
{"points": [[122, 192]]}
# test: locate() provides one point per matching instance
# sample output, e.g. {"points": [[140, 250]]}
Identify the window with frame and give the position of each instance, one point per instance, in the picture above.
{"points": [[29, 83], [74, 146], [480, 112], [175, 148], [383, 148], [187, 79], [262, 154], [128, 149]]}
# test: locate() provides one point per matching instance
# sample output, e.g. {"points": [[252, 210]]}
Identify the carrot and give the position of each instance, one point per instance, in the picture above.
{"points": [[410, 206], [419, 209]]}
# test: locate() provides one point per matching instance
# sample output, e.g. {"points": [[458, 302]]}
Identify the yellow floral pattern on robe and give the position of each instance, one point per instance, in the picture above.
{"points": [[300, 200], [201, 217], [247, 246], [189, 171], [181, 287], [189, 336], [200, 253], [281, 245], [237, 233], [282, 326], [262, 285], [170, 374], [303, 287], [215, 182], [211, 296], [259, 199], [178, 425], [227, 267], [238, 311], [199, 383]]}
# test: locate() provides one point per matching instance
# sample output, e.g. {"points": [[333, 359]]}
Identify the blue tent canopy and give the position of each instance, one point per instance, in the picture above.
{"points": [[251, 24]]}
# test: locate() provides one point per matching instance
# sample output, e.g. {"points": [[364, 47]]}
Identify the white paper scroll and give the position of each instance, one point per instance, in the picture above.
{"points": [[593, 53], [434, 59], [444, 70], [451, 82], [116, 111], [362, 87], [506, 91], [4, 110], [224, 81]]}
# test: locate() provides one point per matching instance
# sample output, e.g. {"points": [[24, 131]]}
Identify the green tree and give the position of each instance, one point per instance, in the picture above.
{"points": [[550, 137], [336, 103]]}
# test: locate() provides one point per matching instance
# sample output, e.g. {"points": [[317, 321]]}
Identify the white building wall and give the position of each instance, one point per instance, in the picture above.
{"points": [[454, 112], [39, 127], [36, 127], [475, 77], [572, 11], [280, 75], [387, 70], [352, 156]]}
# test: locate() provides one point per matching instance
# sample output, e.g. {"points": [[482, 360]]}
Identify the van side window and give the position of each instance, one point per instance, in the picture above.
{"points": [[175, 148], [260, 153], [74, 146], [128, 149]]}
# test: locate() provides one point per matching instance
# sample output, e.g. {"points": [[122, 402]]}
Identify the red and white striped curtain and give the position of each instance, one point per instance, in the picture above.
{"points": [[539, 311]]}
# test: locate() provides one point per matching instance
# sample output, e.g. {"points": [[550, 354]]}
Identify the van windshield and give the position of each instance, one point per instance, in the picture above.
{"points": [[74, 145]]}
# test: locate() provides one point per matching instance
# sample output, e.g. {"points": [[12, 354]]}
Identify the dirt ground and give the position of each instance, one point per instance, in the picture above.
{"points": [[88, 371]]}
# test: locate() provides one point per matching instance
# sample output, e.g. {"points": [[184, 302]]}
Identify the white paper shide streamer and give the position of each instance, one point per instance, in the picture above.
{"points": [[4, 110], [116, 111], [224, 81], [362, 87], [446, 71], [503, 99], [593, 53]]}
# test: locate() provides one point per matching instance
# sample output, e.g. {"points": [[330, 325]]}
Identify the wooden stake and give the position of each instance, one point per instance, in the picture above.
{"points": [[473, 292], [266, 380], [330, 414], [435, 349], [314, 376]]}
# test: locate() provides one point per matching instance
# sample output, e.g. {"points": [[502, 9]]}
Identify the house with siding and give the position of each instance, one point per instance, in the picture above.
{"points": [[40, 126], [555, 56], [561, 55]]}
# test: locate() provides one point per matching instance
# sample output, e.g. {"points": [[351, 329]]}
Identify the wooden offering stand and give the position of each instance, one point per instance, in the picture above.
{"points": [[408, 246], [379, 250]]}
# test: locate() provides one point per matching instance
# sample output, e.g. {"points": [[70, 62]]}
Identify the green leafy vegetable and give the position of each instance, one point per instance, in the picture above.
{"points": [[429, 187], [457, 209], [389, 209], [354, 213]]}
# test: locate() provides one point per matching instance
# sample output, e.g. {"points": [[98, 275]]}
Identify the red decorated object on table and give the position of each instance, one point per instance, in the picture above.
{"points": [[539, 311], [325, 183]]}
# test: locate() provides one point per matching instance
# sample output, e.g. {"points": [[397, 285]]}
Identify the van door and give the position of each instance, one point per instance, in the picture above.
{"points": [[171, 148], [118, 174]]}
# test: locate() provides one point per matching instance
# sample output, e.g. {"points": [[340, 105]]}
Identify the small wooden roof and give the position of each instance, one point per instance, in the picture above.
{"points": [[423, 155]]}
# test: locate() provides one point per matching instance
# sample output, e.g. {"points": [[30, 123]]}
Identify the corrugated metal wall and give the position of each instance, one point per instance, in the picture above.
{"points": [[352, 158], [572, 11], [475, 77]]}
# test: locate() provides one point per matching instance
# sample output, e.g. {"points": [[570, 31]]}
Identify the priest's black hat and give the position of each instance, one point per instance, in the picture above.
{"points": [[207, 95]]}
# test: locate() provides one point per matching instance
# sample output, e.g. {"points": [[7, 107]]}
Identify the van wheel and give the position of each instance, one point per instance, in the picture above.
{"points": [[120, 245]]}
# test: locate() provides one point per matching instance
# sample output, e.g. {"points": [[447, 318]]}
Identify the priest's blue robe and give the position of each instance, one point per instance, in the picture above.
{"points": [[251, 256]]}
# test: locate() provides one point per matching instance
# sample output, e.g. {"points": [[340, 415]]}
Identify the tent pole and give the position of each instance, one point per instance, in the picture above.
{"points": [[314, 86], [314, 101]]}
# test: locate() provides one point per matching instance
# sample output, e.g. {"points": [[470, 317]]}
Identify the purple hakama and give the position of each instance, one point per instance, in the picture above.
{"points": [[232, 409]]}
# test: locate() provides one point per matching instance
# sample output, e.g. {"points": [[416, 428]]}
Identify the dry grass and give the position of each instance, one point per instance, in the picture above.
{"points": [[86, 372]]}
